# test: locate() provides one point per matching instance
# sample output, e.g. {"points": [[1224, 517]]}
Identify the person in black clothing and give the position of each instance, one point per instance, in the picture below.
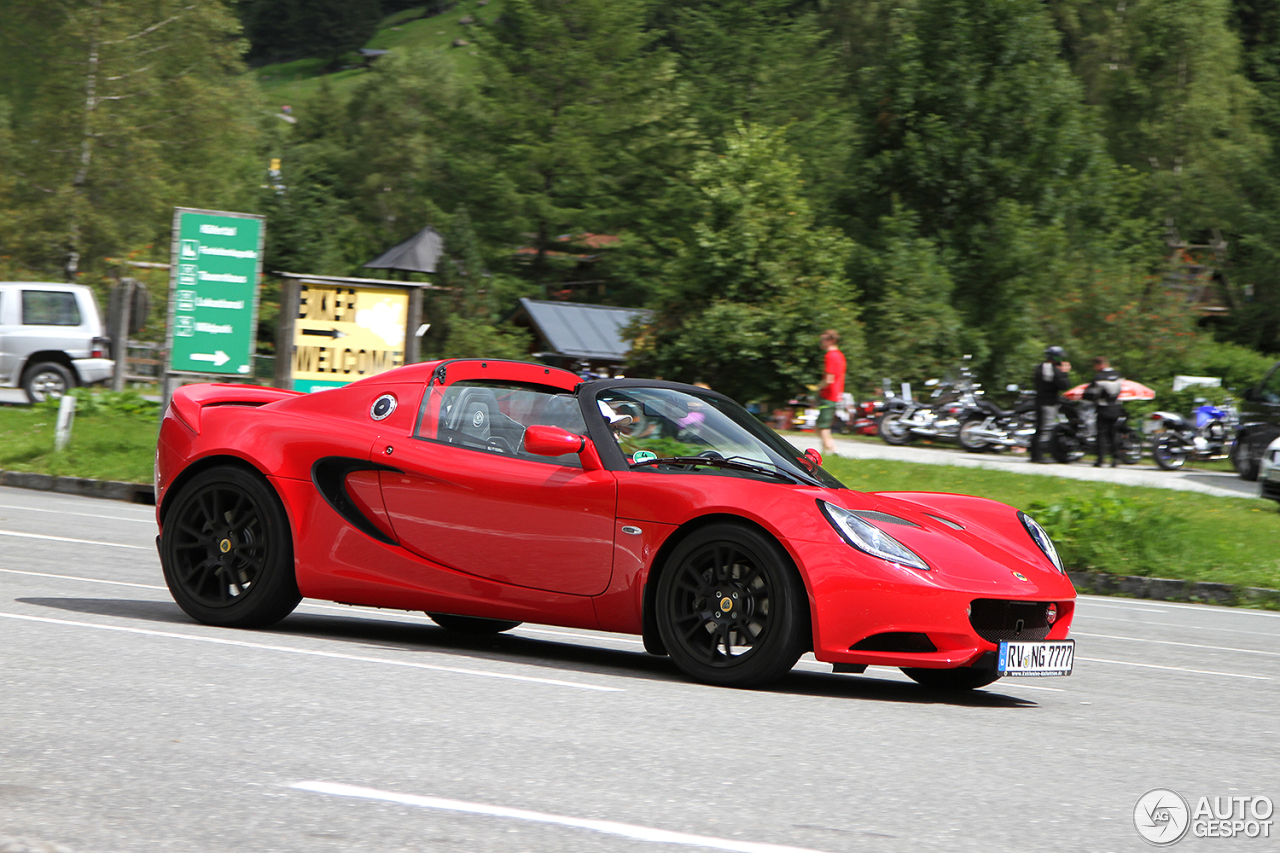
{"points": [[1050, 381], [1104, 391]]}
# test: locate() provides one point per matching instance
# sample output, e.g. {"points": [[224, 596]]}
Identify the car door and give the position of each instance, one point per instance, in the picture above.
{"points": [[468, 497]]}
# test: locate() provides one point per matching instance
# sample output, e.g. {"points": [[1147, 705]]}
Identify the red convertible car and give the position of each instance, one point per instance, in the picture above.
{"points": [[487, 493]]}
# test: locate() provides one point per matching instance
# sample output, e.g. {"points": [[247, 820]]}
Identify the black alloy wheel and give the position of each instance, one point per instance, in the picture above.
{"points": [[731, 609], [227, 551], [473, 625], [962, 678]]}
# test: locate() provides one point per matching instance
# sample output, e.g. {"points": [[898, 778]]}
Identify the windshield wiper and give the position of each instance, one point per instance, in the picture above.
{"points": [[737, 463]]}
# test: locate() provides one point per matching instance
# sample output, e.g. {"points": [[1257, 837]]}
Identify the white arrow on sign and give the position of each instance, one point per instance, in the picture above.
{"points": [[218, 358]]}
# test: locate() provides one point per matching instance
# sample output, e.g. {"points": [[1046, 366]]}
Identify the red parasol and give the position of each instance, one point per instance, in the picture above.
{"points": [[1129, 390]]}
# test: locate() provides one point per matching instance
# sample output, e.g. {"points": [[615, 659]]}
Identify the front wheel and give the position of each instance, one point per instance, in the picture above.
{"points": [[1065, 446], [893, 430], [1170, 453], [227, 550], [969, 438], [473, 625], [730, 607], [47, 380], [963, 678]]}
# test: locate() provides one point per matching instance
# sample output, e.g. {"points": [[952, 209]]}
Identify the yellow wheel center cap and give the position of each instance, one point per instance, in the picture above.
{"points": [[726, 604], [224, 546]]}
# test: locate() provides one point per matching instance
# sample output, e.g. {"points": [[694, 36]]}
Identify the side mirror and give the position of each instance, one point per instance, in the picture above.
{"points": [[1250, 395], [552, 441], [814, 457]]}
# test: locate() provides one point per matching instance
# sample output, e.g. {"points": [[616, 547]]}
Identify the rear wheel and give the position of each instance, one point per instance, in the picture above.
{"points": [[963, 678], [47, 380], [471, 624], [730, 607], [227, 551], [1170, 453], [893, 430]]}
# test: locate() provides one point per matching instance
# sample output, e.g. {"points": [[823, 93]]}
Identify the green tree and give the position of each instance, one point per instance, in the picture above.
{"points": [[280, 30], [132, 108], [757, 281], [573, 96], [1016, 209]]}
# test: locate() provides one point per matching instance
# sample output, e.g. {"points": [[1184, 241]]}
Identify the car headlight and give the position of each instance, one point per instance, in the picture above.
{"points": [[1041, 539], [869, 539]]}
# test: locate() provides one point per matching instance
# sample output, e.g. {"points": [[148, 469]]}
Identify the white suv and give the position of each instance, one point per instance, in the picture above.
{"points": [[51, 338]]}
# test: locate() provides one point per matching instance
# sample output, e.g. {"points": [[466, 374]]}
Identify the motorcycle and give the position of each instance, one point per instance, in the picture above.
{"points": [[950, 404], [1076, 434], [994, 428], [1175, 439]]}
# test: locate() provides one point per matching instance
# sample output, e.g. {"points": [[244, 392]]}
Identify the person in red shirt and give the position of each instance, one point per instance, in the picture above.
{"points": [[832, 388]]}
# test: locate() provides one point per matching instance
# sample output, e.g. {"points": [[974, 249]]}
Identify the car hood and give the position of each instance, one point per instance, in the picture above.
{"points": [[972, 543]]}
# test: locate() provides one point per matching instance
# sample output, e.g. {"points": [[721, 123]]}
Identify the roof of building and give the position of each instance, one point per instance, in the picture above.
{"points": [[577, 330]]}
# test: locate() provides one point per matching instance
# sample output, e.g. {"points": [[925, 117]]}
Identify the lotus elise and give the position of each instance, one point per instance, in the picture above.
{"points": [[487, 493]]}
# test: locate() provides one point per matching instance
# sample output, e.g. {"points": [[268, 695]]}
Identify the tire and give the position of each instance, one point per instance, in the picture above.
{"points": [[892, 430], [47, 380], [1064, 446], [962, 678], [967, 440], [472, 625], [227, 551], [1129, 449], [731, 609], [1246, 455], [1170, 454]]}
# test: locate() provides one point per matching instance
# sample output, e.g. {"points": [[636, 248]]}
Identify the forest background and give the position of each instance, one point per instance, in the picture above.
{"points": [[933, 178]]}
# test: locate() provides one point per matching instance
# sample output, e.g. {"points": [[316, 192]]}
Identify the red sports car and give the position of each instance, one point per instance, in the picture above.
{"points": [[487, 493]]}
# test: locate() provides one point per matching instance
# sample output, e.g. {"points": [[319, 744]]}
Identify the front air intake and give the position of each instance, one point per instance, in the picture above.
{"points": [[997, 621]]}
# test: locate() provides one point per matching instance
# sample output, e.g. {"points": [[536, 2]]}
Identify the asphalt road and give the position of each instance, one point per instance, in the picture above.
{"points": [[126, 727]]}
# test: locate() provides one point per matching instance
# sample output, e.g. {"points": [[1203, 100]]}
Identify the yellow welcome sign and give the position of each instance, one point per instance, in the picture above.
{"points": [[346, 332]]}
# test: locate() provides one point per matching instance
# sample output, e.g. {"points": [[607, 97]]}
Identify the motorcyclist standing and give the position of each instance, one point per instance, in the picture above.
{"points": [[1051, 379], [1104, 391]]}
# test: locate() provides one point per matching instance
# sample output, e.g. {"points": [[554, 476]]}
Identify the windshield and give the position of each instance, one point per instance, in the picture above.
{"points": [[667, 423]]}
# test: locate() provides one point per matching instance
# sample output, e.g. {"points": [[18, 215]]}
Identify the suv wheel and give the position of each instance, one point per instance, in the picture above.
{"points": [[47, 380]]}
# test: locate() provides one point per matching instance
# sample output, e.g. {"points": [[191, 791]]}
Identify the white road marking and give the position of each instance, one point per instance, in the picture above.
{"points": [[608, 827], [1175, 643], [1176, 668], [83, 580], [314, 653], [149, 519], [1114, 604], [1145, 624], [76, 541]]}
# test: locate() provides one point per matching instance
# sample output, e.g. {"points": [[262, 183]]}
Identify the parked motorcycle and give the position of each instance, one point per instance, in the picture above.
{"points": [[997, 429], [1175, 439], [1076, 434], [950, 404]]}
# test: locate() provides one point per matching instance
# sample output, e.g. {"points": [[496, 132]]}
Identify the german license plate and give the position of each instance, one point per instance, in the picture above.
{"points": [[1048, 657]]}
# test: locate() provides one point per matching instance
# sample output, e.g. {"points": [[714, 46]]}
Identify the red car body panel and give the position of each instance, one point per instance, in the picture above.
{"points": [[454, 530]]}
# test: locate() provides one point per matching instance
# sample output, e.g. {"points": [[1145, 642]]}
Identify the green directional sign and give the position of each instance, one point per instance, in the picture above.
{"points": [[213, 296]]}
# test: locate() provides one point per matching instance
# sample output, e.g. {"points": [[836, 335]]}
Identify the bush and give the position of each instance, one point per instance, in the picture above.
{"points": [[120, 402], [1111, 533]]}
